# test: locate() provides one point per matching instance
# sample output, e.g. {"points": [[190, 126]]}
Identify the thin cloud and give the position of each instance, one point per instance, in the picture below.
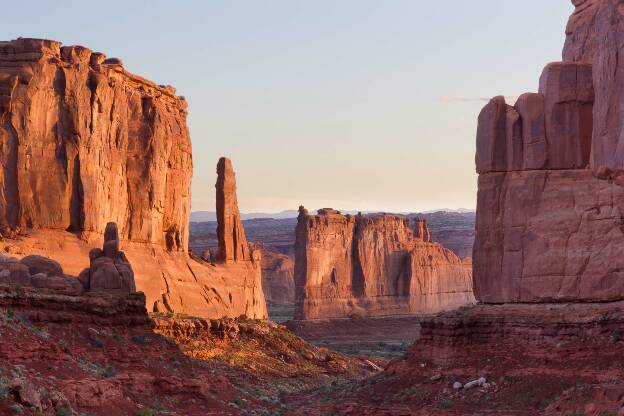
{"points": [[461, 98]]}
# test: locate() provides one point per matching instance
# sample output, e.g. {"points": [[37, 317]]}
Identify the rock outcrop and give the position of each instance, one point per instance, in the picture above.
{"points": [[370, 266], [85, 142], [550, 202], [233, 245], [39, 272], [278, 277], [110, 269], [594, 35], [527, 359]]}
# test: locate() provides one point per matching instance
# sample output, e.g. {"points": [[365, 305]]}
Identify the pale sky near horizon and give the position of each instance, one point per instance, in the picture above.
{"points": [[351, 104]]}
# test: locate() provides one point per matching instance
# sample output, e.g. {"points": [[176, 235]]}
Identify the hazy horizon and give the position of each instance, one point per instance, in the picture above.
{"points": [[360, 104]]}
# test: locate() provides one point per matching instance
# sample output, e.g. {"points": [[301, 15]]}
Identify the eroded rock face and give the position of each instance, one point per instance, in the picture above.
{"points": [[548, 235], [551, 230], [369, 266], [278, 280], [86, 143], [233, 244], [595, 35]]}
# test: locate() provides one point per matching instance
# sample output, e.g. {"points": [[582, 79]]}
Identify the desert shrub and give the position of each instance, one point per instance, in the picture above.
{"points": [[16, 408], [63, 411], [4, 389], [446, 404], [96, 343], [104, 372], [138, 339], [108, 372], [18, 370]]}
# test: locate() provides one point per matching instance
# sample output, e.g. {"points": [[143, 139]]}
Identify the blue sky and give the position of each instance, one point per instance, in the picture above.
{"points": [[354, 104]]}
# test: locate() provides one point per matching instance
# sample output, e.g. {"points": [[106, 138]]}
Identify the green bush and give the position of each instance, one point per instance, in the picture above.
{"points": [[138, 339], [63, 411], [108, 372], [446, 404]]}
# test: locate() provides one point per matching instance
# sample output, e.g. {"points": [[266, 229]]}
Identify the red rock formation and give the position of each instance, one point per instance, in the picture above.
{"points": [[538, 359], [110, 271], [278, 279], [87, 143], [422, 230], [371, 266], [86, 140], [594, 36], [233, 245], [99, 353], [547, 228]]}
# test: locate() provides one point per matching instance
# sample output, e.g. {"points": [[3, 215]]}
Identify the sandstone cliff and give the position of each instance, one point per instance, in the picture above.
{"points": [[84, 143], [550, 201], [278, 280], [372, 266]]}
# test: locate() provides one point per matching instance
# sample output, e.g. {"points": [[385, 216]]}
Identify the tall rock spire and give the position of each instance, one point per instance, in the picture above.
{"points": [[422, 230], [233, 245]]}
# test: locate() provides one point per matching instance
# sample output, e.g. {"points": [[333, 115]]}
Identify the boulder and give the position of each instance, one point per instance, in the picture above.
{"points": [[15, 273], [61, 284], [26, 393], [39, 264], [110, 270]]}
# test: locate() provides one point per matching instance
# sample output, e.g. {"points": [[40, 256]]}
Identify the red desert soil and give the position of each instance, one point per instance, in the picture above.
{"points": [[561, 360], [96, 355]]}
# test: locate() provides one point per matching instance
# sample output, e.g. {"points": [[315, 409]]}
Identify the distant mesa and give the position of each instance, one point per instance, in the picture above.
{"points": [[87, 143], [372, 266]]}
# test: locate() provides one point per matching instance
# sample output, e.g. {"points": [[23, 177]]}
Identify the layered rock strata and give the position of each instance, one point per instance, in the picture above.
{"points": [[85, 142], [373, 266], [536, 359], [550, 200], [47, 305]]}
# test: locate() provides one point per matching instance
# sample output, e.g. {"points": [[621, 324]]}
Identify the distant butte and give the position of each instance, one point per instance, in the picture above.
{"points": [[373, 265]]}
